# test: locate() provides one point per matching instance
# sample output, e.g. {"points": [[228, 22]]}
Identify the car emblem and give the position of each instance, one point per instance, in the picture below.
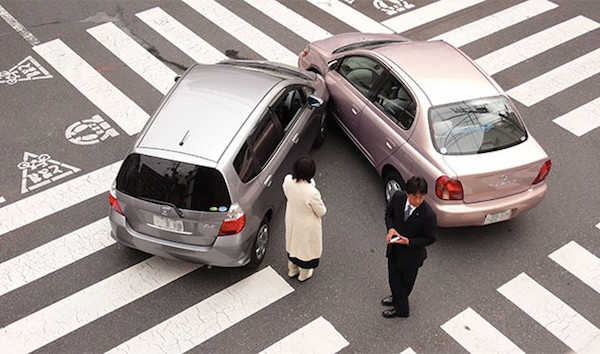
{"points": [[210, 226], [165, 210], [504, 177]]}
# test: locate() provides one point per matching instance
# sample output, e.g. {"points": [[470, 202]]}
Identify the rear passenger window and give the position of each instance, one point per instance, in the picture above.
{"points": [[395, 101], [288, 106], [265, 138], [245, 165], [361, 72]]}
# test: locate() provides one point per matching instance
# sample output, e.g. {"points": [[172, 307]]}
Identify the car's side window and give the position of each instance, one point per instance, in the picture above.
{"points": [[395, 101], [245, 164], [361, 72], [265, 138], [288, 106]]}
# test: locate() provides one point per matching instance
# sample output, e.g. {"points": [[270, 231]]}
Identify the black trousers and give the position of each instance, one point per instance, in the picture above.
{"points": [[401, 281]]}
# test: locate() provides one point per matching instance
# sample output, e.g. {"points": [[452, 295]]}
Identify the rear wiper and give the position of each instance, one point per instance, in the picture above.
{"points": [[164, 203]]}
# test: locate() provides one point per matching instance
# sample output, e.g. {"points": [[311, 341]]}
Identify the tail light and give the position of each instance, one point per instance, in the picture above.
{"points": [[304, 52], [112, 198], [543, 172], [234, 222], [447, 188]]}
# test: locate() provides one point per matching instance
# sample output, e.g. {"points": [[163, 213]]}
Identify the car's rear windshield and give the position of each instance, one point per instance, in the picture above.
{"points": [[476, 126], [185, 185], [366, 44]]}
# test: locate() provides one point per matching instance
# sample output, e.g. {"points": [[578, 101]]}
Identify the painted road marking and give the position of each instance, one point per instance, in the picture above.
{"points": [[350, 16], [477, 335], [40, 170], [496, 22], [135, 56], [58, 198], [117, 106], [580, 262], [77, 310], [427, 13], [54, 255], [408, 350], [290, 19], [535, 44], [559, 79], [17, 26], [2, 200], [211, 316], [180, 36], [392, 7], [254, 39], [26, 70], [581, 120], [90, 131], [551, 312], [319, 336]]}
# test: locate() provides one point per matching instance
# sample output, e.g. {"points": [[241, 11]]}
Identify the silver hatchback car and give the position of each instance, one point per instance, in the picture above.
{"points": [[203, 178]]}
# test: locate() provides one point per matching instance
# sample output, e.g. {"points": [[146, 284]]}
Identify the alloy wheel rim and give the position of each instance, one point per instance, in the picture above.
{"points": [[261, 241], [390, 188]]}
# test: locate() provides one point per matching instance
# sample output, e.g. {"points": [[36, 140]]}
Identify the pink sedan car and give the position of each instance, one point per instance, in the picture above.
{"points": [[425, 108]]}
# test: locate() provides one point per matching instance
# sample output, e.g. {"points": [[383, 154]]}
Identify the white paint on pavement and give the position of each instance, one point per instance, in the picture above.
{"points": [[135, 56], [27, 69], [55, 199], [54, 255], [319, 336], [2, 200], [551, 312], [408, 350], [477, 335], [180, 36], [41, 170], [17, 26], [557, 80], [580, 262], [350, 16], [496, 22], [211, 316], [290, 20], [535, 44], [73, 312], [581, 120], [254, 39], [427, 13], [117, 106]]}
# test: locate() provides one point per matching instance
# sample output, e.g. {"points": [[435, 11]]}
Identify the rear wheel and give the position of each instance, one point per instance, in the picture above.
{"points": [[393, 182], [259, 248], [322, 130]]}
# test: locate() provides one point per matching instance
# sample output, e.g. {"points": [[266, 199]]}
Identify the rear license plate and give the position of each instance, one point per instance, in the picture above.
{"points": [[497, 217], [167, 224]]}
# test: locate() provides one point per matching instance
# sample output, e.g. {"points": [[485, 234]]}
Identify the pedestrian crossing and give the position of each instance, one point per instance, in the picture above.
{"points": [[206, 319]]}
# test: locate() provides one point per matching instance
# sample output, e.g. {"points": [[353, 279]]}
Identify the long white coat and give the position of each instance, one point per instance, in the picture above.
{"points": [[304, 209]]}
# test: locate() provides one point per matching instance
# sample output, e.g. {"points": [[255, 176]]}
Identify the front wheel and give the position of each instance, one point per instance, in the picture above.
{"points": [[393, 183], [259, 248], [322, 130]]}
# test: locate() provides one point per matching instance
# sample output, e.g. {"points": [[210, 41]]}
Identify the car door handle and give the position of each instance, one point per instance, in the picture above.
{"points": [[296, 138], [389, 145], [354, 111], [268, 181]]}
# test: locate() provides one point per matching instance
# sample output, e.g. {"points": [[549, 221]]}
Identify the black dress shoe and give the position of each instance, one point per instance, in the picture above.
{"points": [[393, 313], [387, 301]]}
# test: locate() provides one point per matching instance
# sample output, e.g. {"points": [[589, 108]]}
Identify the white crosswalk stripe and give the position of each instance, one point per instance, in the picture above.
{"points": [[496, 22], [134, 55], [535, 44], [551, 312], [580, 262], [581, 120], [350, 16], [408, 351], [117, 106]]}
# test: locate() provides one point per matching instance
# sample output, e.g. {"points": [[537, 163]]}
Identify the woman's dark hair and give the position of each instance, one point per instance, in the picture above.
{"points": [[304, 169], [416, 185]]}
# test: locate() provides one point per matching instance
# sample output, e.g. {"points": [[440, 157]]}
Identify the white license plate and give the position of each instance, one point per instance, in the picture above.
{"points": [[497, 217], [167, 224]]}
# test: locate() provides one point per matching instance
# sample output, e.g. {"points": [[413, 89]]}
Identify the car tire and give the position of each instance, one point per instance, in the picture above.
{"points": [[392, 183], [322, 134], [259, 247]]}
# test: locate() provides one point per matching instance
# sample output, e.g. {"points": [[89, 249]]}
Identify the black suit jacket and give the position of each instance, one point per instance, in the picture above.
{"points": [[420, 228]]}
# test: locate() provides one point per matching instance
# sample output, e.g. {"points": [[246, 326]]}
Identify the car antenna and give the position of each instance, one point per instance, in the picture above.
{"points": [[184, 138]]}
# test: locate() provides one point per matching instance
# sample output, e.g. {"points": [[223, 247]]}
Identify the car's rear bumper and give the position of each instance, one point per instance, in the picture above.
{"points": [[226, 251], [473, 214]]}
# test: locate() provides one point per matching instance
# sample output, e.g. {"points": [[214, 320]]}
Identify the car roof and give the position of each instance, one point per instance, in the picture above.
{"points": [[442, 72], [206, 109]]}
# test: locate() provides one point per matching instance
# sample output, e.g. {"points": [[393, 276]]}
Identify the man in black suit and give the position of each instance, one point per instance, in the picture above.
{"points": [[411, 225]]}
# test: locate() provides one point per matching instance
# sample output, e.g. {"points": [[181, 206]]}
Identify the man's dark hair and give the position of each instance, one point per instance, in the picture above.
{"points": [[416, 185], [304, 169]]}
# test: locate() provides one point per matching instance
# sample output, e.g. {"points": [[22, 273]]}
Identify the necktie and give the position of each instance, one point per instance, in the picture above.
{"points": [[406, 212]]}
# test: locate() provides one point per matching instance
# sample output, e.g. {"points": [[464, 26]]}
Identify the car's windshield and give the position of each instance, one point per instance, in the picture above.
{"points": [[476, 126]]}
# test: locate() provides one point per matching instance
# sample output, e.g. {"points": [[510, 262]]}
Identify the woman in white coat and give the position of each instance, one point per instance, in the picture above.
{"points": [[303, 213]]}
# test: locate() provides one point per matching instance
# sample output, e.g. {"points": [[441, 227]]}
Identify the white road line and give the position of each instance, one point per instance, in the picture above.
{"points": [[58, 198], [496, 22], [477, 335], [408, 350], [598, 225], [135, 56], [551, 312], [535, 44], [211, 316], [17, 26], [117, 106], [350, 16], [319, 336], [290, 19], [73, 312], [582, 119], [52, 256], [2, 200], [580, 262], [180, 36], [556, 80], [427, 13], [254, 39]]}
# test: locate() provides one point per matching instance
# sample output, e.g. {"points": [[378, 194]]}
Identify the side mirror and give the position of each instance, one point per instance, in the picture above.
{"points": [[332, 65], [314, 101], [177, 78]]}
